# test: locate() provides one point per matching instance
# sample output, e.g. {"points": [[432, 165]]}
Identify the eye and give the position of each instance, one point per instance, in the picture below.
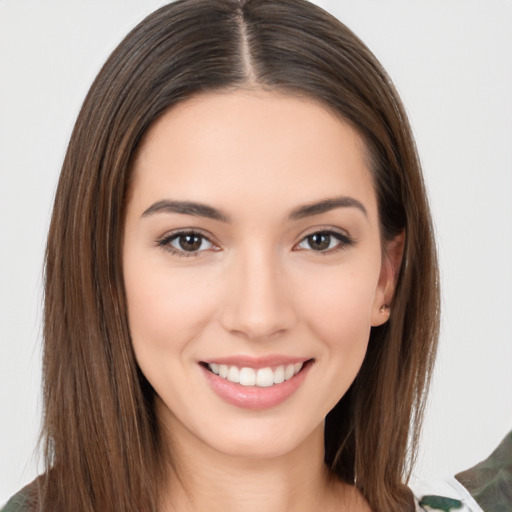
{"points": [[324, 241], [189, 243]]}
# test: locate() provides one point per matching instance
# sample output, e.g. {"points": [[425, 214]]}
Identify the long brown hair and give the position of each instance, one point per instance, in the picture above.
{"points": [[102, 442]]}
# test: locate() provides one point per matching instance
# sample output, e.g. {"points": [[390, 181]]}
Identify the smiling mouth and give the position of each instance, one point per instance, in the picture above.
{"points": [[261, 377]]}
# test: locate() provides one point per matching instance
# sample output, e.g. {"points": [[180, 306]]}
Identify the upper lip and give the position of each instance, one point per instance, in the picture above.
{"points": [[257, 362]]}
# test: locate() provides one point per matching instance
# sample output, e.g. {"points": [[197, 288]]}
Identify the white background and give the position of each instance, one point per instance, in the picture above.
{"points": [[451, 60]]}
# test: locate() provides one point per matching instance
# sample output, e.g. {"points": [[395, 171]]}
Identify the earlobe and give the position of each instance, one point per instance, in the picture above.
{"points": [[381, 316], [390, 267]]}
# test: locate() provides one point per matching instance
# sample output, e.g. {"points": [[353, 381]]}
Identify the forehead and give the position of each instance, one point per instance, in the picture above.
{"points": [[255, 145]]}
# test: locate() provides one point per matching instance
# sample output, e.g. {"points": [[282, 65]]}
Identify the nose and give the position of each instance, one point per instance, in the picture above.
{"points": [[258, 303]]}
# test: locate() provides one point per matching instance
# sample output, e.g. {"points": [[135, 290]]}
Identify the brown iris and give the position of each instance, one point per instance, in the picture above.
{"points": [[190, 242], [319, 241]]}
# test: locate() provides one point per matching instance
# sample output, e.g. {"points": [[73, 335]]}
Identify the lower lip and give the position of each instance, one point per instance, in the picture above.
{"points": [[253, 397]]}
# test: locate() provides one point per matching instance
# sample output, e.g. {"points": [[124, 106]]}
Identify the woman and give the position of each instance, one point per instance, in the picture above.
{"points": [[241, 302]]}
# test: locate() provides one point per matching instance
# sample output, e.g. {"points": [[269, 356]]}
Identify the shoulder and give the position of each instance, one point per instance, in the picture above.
{"points": [[446, 495], [18, 503], [486, 487], [490, 481], [24, 500]]}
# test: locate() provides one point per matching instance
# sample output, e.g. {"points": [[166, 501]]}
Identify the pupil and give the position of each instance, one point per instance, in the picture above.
{"points": [[190, 242], [319, 241]]}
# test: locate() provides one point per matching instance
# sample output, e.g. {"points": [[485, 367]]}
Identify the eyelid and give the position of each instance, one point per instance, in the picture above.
{"points": [[343, 237], [343, 233], [164, 241], [325, 229]]}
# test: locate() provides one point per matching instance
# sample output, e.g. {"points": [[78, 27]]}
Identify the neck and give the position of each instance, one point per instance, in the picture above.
{"points": [[202, 478]]}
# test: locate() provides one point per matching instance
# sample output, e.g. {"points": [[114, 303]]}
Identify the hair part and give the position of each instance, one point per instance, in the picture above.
{"points": [[102, 441]]}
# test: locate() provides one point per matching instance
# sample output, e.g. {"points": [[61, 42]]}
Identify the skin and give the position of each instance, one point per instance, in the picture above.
{"points": [[257, 286]]}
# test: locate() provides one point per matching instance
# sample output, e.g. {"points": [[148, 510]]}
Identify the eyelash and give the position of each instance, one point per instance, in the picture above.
{"points": [[165, 243], [343, 242]]}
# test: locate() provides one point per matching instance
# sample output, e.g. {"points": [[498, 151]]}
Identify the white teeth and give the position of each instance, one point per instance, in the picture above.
{"points": [[263, 378], [223, 370], [289, 371], [247, 377], [279, 375], [233, 374]]}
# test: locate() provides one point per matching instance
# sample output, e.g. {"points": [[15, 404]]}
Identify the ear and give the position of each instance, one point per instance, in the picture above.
{"points": [[391, 259]]}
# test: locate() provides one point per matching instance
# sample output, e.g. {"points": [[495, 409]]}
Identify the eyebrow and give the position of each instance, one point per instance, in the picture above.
{"points": [[204, 210], [327, 205], [186, 208]]}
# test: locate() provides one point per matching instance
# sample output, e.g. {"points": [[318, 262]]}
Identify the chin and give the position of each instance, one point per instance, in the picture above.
{"points": [[262, 443]]}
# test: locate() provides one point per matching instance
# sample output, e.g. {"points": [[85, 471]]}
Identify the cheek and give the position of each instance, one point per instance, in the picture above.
{"points": [[339, 304], [337, 309], [166, 308]]}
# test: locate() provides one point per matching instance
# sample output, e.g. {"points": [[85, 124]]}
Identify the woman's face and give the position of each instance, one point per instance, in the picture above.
{"points": [[253, 268]]}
